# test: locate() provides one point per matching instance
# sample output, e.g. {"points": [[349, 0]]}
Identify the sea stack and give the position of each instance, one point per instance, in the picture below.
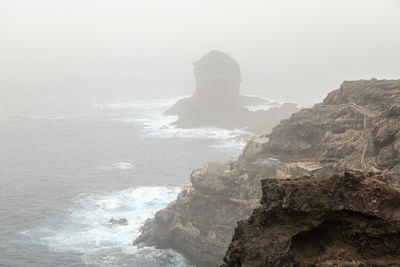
{"points": [[217, 100], [306, 173], [217, 79]]}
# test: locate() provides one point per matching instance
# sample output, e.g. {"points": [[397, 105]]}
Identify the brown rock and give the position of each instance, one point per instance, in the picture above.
{"points": [[341, 220]]}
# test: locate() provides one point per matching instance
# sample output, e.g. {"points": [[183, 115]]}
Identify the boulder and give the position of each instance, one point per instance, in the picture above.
{"points": [[121, 221]]}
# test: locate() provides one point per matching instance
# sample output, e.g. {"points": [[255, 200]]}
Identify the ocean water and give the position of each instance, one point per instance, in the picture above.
{"points": [[65, 172]]}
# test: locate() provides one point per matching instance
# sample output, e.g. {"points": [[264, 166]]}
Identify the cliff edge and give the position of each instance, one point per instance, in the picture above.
{"points": [[357, 126], [341, 220], [200, 223]]}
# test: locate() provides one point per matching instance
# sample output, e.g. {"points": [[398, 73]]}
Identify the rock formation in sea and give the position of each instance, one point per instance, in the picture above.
{"points": [[217, 100], [357, 126], [341, 220]]}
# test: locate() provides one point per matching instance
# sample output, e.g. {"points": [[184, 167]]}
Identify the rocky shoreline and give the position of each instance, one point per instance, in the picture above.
{"points": [[356, 127], [200, 223]]}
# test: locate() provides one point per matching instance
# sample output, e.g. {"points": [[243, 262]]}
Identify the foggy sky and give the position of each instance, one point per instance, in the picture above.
{"points": [[287, 50]]}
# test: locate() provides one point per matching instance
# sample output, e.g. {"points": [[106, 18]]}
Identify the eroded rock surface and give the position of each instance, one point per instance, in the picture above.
{"points": [[360, 115], [361, 120], [201, 221], [341, 220]]}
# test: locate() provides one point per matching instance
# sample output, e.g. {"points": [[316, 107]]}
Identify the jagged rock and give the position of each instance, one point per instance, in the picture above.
{"points": [[334, 129], [322, 140], [218, 102], [200, 222], [341, 220]]}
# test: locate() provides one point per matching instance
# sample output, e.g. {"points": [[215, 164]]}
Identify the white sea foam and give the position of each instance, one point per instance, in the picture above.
{"points": [[118, 166], [260, 107], [85, 229], [150, 113], [270, 103], [123, 166]]}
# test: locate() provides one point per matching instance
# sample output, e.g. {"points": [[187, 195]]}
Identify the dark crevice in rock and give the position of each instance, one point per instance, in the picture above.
{"points": [[341, 220]]}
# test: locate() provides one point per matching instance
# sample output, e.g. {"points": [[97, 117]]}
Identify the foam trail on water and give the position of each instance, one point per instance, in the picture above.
{"points": [[270, 103], [86, 231], [123, 166], [150, 113]]}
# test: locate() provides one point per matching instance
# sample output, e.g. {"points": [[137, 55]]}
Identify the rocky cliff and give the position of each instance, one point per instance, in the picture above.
{"points": [[217, 100], [356, 126], [341, 220], [201, 221]]}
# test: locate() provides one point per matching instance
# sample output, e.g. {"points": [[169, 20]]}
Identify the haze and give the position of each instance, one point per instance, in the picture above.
{"points": [[287, 50]]}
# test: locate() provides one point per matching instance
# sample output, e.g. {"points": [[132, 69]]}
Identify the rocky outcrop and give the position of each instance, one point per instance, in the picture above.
{"points": [[356, 126], [217, 100], [201, 221], [341, 220]]}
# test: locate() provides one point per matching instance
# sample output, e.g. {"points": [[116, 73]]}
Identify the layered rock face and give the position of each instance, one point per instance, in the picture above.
{"points": [[201, 221], [347, 220], [217, 100], [356, 126], [341, 220]]}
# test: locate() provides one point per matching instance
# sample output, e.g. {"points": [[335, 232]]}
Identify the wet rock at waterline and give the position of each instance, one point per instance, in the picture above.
{"points": [[121, 221]]}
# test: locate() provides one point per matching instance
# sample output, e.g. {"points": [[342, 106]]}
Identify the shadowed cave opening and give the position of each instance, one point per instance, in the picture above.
{"points": [[347, 238]]}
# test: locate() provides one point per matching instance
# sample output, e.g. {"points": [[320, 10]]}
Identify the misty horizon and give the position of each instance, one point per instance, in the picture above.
{"points": [[183, 133], [88, 50]]}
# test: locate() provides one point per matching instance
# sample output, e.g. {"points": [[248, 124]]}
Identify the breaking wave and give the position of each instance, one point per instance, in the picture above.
{"points": [[150, 114], [86, 230]]}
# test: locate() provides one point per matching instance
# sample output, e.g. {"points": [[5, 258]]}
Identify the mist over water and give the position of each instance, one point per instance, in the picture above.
{"points": [[67, 172], [83, 90], [287, 50]]}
